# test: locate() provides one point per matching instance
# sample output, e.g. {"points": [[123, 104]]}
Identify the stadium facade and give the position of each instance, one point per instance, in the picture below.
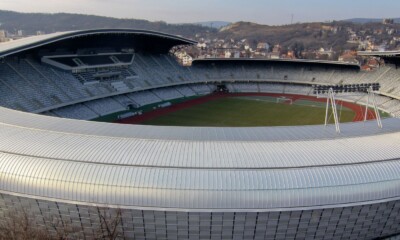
{"points": [[303, 182]]}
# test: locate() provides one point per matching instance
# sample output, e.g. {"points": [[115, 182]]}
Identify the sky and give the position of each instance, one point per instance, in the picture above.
{"points": [[271, 12]]}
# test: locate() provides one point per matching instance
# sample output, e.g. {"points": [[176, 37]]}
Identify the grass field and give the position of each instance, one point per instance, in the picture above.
{"points": [[249, 111]]}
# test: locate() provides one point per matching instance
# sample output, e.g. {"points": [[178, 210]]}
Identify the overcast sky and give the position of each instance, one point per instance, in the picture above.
{"points": [[179, 11]]}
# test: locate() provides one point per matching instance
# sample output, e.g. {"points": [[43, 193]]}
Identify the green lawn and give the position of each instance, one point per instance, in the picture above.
{"points": [[248, 111]]}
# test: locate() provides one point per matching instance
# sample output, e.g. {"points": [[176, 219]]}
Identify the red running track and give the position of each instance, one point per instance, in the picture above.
{"points": [[358, 109]]}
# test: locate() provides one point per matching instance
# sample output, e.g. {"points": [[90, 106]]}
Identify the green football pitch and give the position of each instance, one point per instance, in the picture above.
{"points": [[250, 111]]}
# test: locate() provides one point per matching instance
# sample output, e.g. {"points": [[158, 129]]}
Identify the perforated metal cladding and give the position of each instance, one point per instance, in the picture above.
{"points": [[357, 222]]}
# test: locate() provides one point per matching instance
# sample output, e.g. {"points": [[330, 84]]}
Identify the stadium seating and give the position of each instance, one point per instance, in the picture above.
{"points": [[144, 98], [22, 87], [28, 85], [167, 93], [65, 85], [298, 89], [273, 88], [78, 111], [202, 89], [124, 100], [245, 87], [104, 106], [185, 91], [120, 86]]}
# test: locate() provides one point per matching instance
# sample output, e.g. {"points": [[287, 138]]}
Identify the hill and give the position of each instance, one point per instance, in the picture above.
{"points": [[304, 35], [307, 35], [214, 24], [369, 20], [298, 37], [32, 22]]}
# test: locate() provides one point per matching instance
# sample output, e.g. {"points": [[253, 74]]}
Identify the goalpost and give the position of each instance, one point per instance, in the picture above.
{"points": [[284, 100]]}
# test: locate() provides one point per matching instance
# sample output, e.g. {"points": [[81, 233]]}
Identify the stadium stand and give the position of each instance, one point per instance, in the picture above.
{"points": [[29, 85], [298, 89], [167, 93], [124, 100], [105, 106], [245, 87], [273, 88], [78, 111], [120, 86], [144, 98], [202, 89], [392, 106], [185, 91]]}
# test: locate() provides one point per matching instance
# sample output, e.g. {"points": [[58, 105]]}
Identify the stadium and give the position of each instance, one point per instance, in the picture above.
{"points": [[160, 177]]}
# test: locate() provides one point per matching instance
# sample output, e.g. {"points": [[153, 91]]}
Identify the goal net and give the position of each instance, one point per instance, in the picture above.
{"points": [[284, 100]]}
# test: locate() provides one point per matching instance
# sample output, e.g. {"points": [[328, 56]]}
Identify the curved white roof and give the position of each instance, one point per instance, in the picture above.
{"points": [[197, 168], [379, 53], [12, 47], [6, 46]]}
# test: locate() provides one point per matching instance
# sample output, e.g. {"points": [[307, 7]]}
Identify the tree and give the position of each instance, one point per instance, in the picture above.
{"points": [[298, 48], [18, 225], [110, 223]]}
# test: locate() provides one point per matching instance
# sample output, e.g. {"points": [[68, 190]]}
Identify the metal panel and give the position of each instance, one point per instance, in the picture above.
{"points": [[226, 188]]}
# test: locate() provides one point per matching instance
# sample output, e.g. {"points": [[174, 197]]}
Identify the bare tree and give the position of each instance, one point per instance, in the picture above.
{"points": [[110, 223], [63, 229], [18, 225]]}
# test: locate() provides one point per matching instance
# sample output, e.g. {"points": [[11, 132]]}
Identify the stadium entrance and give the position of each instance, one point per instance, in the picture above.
{"points": [[221, 88]]}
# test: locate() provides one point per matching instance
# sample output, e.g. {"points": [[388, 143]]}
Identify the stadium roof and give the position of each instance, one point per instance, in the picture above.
{"points": [[392, 57], [12, 47], [208, 168], [252, 60], [379, 53]]}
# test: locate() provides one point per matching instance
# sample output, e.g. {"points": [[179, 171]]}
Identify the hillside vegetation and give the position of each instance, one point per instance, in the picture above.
{"points": [[298, 36], [302, 35], [32, 22]]}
